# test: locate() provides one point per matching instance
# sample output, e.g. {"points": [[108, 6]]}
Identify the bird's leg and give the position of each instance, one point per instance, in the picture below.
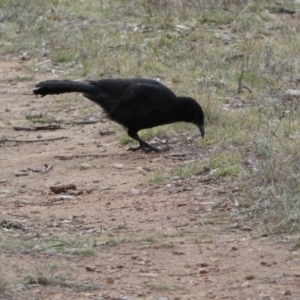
{"points": [[143, 145]]}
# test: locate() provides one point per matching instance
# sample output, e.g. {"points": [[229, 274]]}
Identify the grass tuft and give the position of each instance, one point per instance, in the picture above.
{"points": [[3, 283]]}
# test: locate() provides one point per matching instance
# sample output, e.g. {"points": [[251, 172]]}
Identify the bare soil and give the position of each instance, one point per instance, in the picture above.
{"points": [[173, 239]]}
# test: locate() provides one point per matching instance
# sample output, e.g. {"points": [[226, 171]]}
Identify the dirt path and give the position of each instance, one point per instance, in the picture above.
{"points": [[170, 239]]}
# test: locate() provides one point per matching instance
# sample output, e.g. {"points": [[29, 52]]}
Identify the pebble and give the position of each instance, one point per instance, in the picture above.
{"points": [[245, 284], [84, 166]]}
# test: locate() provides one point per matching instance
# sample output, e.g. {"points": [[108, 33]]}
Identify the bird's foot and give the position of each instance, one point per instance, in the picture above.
{"points": [[148, 149]]}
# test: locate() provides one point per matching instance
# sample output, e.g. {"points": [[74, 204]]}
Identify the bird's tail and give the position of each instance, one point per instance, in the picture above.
{"points": [[51, 87]]}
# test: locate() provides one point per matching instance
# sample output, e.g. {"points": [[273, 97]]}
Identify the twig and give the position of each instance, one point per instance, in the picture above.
{"points": [[71, 156], [81, 122], [32, 141], [188, 274], [94, 155], [19, 174], [35, 203], [240, 80], [34, 128], [43, 62], [249, 211], [109, 187], [84, 122]]}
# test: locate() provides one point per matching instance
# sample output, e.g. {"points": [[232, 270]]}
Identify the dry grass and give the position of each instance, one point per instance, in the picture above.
{"points": [[3, 284]]}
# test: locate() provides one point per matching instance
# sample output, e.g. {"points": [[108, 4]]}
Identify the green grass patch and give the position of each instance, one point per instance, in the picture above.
{"points": [[147, 239], [112, 242], [82, 246], [158, 178], [166, 245], [63, 56]]}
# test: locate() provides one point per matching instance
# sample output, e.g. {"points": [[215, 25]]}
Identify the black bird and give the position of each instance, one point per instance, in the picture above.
{"points": [[134, 103]]}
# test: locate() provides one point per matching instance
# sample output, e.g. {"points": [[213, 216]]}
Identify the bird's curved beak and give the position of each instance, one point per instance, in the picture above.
{"points": [[201, 127]]}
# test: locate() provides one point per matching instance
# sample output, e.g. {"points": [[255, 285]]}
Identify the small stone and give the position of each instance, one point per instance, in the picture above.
{"points": [[64, 197], [246, 228], [56, 189], [271, 281], [293, 93], [134, 192], [203, 271], [36, 248], [249, 277], [203, 265], [152, 275], [25, 56], [245, 284], [84, 166], [287, 293], [110, 280], [178, 253], [118, 166], [106, 132], [34, 115]]}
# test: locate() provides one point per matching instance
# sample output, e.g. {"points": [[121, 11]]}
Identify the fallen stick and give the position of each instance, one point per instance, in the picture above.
{"points": [[188, 274], [109, 187], [80, 122], [34, 128], [43, 62], [19, 174], [47, 169], [83, 122], [71, 156], [33, 141]]}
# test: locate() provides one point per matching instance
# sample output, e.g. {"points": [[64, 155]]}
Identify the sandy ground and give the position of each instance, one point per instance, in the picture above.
{"points": [[173, 239]]}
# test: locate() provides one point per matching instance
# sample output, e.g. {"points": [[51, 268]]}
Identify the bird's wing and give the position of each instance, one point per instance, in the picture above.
{"points": [[146, 94], [132, 90]]}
